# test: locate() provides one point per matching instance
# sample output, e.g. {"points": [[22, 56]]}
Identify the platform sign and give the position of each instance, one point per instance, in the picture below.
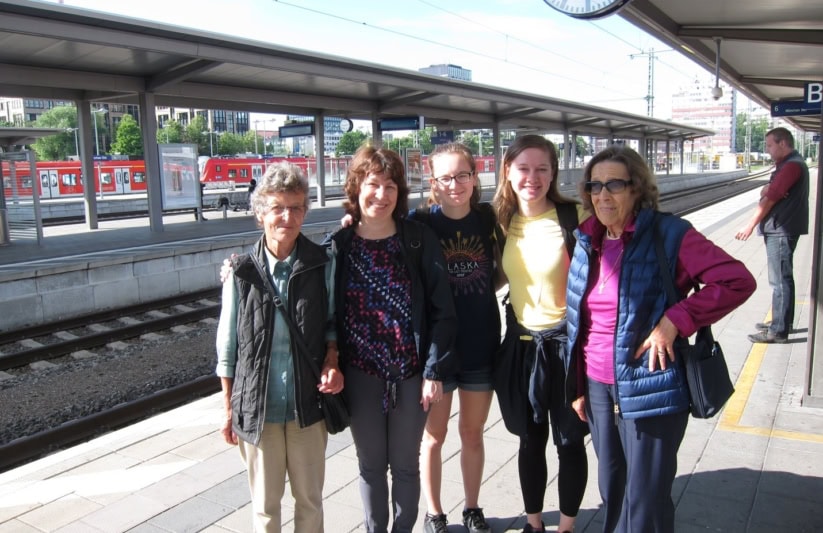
{"points": [[442, 137], [304, 129], [793, 108], [400, 123], [816, 138], [813, 93], [179, 176]]}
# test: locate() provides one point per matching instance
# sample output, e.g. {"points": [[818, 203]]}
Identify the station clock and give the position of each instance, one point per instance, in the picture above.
{"points": [[587, 9]]}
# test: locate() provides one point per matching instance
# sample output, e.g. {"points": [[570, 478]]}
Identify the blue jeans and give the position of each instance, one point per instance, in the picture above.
{"points": [[780, 261]]}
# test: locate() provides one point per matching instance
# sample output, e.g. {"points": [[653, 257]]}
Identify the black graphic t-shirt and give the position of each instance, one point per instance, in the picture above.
{"points": [[467, 247]]}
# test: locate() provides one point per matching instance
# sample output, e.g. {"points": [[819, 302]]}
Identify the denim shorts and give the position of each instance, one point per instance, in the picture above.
{"points": [[479, 380]]}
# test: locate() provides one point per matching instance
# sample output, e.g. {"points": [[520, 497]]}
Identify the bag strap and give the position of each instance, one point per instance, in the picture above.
{"points": [[665, 273], [567, 216], [413, 237], [296, 334]]}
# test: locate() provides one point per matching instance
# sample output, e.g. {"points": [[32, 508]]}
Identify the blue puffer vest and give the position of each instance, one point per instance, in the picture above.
{"points": [[641, 303]]}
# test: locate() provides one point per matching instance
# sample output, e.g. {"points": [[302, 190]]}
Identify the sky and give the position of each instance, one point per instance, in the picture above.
{"points": [[522, 45]]}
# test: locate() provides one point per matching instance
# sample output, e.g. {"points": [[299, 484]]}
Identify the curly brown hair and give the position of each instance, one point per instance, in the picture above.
{"points": [[370, 160]]}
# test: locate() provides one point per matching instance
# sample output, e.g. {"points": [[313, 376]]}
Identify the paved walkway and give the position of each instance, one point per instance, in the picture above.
{"points": [[757, 467]]}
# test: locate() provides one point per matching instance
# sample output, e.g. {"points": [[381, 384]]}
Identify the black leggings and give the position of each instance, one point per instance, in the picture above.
{"points": [[573, 470]]}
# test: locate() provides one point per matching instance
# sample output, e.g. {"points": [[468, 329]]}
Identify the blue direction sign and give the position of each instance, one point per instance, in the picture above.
{"points": [[793, 108], [442, 137], [816, 138], [812, 92]]}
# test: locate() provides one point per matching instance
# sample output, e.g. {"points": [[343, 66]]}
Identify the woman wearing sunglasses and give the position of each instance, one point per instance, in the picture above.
{"points": [[633, 390]]}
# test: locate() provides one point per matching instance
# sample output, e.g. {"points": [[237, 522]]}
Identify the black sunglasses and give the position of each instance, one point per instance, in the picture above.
{"points": [[613, 186]]}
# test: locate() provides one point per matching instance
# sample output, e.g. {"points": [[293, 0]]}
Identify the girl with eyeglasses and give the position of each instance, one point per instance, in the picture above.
{"points": [[465, 228], [530, 378]]}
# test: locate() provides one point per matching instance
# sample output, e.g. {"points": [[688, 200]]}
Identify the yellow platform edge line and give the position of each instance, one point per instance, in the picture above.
{"points": [[733, 411]]}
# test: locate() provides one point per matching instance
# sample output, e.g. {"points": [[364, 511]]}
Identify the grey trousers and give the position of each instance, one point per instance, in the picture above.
{"points": [[386, 442]]}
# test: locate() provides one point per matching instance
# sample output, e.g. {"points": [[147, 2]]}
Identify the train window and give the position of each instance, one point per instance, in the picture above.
{"points": [[26, 183], [69, 179], [139, 177], [54, 180], [218, 168], [244, 173], [44, 180], [105, 178], [232, 173]]}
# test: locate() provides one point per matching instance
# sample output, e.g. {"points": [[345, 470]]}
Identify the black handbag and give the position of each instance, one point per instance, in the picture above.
{"points": [[707, 375], [334, 407]]}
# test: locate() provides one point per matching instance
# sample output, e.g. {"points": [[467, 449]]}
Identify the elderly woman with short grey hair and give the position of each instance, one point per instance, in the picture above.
{"points": [[270, 396]]}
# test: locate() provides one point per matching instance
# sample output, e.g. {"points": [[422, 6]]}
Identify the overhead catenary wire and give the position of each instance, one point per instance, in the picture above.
{"points": [[465, 50]]}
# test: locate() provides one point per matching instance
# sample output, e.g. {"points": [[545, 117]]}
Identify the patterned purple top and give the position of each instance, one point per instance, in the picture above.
{"points": [[378, 310]]}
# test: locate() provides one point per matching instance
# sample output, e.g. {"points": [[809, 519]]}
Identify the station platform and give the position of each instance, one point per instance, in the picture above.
{"points": [[75, 271], [755, 467]]}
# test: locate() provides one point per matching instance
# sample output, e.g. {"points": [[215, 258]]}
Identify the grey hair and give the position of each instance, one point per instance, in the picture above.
{"points": [[279, 178]]}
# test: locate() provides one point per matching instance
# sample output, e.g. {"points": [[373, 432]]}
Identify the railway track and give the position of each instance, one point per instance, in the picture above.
{"points": [[92, 332], [58, 339]]}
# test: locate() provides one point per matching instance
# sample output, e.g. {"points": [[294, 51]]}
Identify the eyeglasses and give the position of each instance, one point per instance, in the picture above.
{"points": [[613, 186], [460, 177], [279, 210]]}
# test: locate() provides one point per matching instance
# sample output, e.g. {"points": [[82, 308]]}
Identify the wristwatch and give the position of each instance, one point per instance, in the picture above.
{"points": [[587, 9]]}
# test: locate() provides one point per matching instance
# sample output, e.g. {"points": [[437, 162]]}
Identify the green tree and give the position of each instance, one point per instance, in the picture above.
{"points": [[195, 133], [759, 127], [128, 138], [253, 142], [171, 132], [350, 142], [5, 123], [61, 145], [229, 144], [582, 147]]}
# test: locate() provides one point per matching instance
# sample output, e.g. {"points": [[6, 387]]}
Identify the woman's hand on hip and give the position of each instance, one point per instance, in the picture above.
{"points": [[660, 345]]}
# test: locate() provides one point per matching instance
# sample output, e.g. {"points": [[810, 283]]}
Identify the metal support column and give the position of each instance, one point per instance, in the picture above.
{"points": [[813, 393], [498, 152], [84, 117], [154, 183], [377, 135], [320, 156]]}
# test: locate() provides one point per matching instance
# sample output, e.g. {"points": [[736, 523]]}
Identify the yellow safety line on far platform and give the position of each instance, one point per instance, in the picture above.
{"points": [[733, 411]]}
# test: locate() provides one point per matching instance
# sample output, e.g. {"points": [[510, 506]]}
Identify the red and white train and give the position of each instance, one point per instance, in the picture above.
{"points": [[59, 179]]}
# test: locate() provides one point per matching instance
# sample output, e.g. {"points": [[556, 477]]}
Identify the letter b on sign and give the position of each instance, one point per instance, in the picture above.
{"points": [[813, 92]]}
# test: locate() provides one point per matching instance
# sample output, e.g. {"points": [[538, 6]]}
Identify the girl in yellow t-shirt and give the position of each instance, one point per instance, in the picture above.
{"points": [[530, 371]]}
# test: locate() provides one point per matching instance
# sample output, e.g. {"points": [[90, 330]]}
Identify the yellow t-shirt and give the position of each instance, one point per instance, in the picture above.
{"points": [[537, 265]]}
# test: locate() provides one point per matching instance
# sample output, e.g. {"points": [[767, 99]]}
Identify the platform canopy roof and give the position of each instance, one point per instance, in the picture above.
{"points": [[54, 51], [10, 138], [768, 48]]}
